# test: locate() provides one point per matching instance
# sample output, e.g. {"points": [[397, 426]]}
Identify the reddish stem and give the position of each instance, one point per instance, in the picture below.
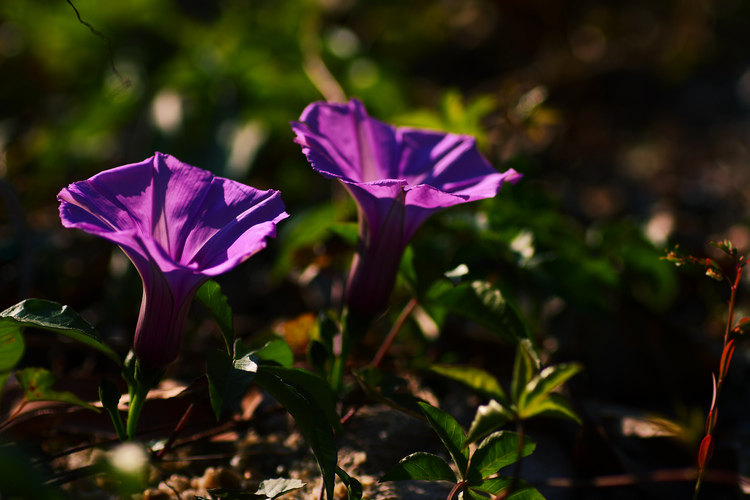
{"points": [[394, 331]]}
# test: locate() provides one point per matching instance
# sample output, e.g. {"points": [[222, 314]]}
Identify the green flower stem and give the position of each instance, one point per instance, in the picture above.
{"points": [[145, 380], [355, 328], [117, 422]]}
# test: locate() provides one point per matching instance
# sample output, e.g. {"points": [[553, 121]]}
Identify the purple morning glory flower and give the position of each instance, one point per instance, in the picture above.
{"points": [[398, 177], [180, 226]]}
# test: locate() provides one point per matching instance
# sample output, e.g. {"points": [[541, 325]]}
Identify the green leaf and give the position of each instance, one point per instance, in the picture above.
{"points": [[109, 395], [228, 379], [420, 466], [213, 299], [498, 450], [315, 386], [11, 345], [521, 491], [485, 305], [37, 386], [277, 351], [353, 486], [526, 365], [556, 406], [386, 388], [274, 488], [539, 388], [54, 317], [489, 418], [310, 418], [476, 379], [450, 433]]}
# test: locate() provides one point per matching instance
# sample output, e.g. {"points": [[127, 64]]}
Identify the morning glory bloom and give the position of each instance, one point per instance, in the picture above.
{"points": [[179, 225], [398, 177]]}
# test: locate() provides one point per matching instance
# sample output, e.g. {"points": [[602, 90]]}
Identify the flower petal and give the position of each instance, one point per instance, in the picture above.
{"points": [[341, 140]]}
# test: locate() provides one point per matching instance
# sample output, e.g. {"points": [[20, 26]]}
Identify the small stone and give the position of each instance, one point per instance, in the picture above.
{"points": [[219, 477], [154, 494]]}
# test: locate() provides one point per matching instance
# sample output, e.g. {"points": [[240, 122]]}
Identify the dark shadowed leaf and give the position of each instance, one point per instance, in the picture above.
{"points": [[353, 486], [488, 419], [420, 466], [498, 450], [310, 417], [476, 379], [315, 386], [485, 305], [212, 298], [450, 433], [386, 388], [228, 379], [521, 490], [109, 395], [57, 318], [37, 386]]}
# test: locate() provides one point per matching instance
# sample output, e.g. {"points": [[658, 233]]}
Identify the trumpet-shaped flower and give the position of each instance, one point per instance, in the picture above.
{"points": [[398, 177], [179, 225]]}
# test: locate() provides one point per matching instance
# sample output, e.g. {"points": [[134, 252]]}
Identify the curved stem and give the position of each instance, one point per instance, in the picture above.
{"points": [[15, 414], [456, 489], [134, 410]]}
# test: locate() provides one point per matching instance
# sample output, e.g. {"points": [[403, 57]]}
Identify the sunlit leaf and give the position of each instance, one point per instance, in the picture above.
{"points": [[553, 405], [274, 488], [525, 366], [543, 384], [212, 298], [57, 318], [498, 450], [420, 466], [476, 379], [450, 433], [276, 351], [488, 419], [37, 386]]}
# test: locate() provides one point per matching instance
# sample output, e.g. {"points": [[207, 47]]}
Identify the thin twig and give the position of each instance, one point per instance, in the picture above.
{"points": [[394, 331], [177, 430], [101, 35]]}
